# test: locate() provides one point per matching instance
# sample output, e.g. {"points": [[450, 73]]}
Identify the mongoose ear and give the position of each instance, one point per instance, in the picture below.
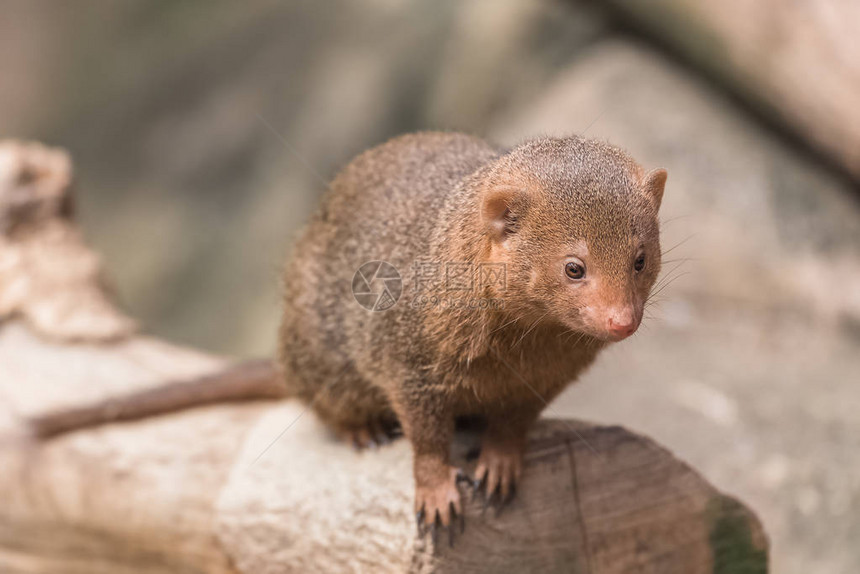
{"points": [[654, 183], [500, 211]]}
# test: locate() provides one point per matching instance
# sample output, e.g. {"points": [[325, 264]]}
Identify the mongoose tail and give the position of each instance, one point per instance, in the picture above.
{"points": [[246, 381]]}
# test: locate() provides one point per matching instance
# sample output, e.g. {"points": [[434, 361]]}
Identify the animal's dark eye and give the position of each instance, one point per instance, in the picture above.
{"points": [[639, 264], [574, 270]]}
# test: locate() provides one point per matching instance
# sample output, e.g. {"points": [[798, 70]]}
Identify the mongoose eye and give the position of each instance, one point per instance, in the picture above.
{"points": [[574, 270], [639, 264]]}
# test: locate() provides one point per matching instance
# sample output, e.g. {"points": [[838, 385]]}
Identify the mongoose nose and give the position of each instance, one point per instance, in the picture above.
{"points": [[622, 325]]}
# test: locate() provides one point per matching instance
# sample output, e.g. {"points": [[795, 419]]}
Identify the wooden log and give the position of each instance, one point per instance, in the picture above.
{"points": [[264, 487]]}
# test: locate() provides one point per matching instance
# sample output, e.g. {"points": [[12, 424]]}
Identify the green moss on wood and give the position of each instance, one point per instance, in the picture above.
{"points": [[731, 535]]}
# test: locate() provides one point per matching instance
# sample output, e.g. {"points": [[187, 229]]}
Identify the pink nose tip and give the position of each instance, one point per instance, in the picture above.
{"points": [[621, 327]]}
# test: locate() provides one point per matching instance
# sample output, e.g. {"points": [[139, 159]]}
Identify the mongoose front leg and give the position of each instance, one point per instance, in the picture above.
{"points": [[429, 425], [502, 446]]}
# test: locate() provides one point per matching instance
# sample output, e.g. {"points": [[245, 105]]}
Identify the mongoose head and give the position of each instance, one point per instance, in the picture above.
{"points": [[575, 223]]}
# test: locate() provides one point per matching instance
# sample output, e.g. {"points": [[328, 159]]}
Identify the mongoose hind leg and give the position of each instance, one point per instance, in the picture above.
{"points": [[375, 431], [356, 412]]}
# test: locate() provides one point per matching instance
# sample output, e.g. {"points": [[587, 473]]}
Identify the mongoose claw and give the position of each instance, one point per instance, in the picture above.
{"points": [[436, 525], [439, 507], [462, 518], [489, 498], [477, 484]]}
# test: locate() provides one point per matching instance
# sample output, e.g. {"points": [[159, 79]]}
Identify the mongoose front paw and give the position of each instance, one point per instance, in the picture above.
{"points": [[498, 471], [438, 503]]}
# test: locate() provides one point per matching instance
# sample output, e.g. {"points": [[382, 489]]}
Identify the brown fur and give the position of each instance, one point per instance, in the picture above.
{"points": [[447, 197]]}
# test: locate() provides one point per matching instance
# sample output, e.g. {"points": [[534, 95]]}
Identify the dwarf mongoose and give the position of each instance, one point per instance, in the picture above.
{"points": [[511, 270]]}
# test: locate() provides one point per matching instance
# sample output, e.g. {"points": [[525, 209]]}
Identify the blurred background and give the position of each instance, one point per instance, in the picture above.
{"points": [[203, 132]]}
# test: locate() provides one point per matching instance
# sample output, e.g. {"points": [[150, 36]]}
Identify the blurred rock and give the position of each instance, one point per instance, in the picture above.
{"points": [[203, 133], [745, 365], [798, 60]]}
